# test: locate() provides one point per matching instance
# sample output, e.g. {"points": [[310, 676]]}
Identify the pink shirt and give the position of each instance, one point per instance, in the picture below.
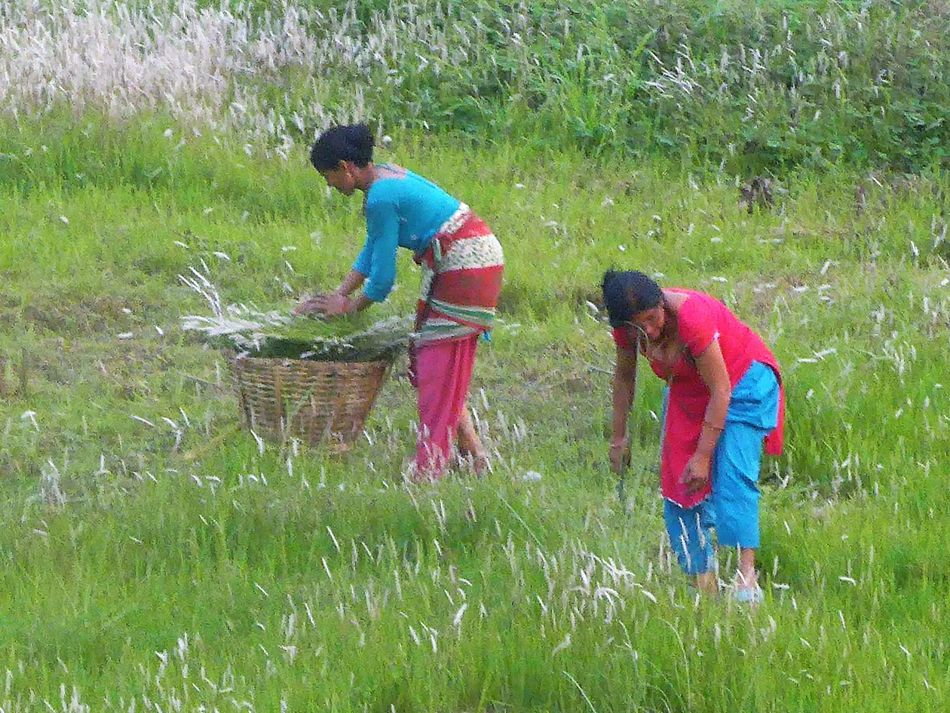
{"points": [[701, 319]]}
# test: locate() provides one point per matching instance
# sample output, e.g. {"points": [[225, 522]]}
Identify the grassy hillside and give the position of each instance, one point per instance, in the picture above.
{"points": [[157, 557]]}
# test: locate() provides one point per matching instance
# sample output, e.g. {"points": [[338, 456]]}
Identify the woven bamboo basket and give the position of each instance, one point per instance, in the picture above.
{"points": [[320, 402]]}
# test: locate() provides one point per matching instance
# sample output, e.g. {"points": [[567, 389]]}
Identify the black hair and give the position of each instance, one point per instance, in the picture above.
{"points": [[628, 292], [351, 142]]}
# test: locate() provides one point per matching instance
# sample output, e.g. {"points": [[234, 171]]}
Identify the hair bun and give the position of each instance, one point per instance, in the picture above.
{"points": [[349, 142]]}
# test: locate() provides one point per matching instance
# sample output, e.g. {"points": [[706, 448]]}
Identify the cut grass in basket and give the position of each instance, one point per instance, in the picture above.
{"points": [[278, 335], [350, 338]]}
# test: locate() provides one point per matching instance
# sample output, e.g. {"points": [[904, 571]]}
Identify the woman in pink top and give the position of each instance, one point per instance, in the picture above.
{"points": [[723, 399]]}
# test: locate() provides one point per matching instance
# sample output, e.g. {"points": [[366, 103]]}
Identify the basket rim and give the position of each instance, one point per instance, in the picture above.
{"points": [[235, 356]]}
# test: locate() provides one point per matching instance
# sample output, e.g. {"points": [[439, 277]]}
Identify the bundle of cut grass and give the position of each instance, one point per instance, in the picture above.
{"points": [[275, 335]]}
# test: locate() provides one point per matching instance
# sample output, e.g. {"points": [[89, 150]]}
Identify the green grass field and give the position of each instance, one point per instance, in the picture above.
{"points": [[214, 573], [156, 557]]}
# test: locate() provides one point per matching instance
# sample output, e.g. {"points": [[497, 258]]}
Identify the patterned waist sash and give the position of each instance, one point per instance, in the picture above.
{"points": [[465, 261]]}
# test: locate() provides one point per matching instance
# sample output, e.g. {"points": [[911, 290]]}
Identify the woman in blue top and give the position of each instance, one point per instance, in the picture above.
{"points": [[462, 264]]}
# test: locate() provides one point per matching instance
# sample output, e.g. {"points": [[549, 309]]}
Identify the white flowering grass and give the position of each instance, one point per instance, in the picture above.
{"points": [[193, 60], [752, 89]]}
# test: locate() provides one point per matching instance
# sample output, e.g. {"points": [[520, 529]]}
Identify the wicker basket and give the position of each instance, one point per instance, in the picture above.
{"points": [[319, 402]]}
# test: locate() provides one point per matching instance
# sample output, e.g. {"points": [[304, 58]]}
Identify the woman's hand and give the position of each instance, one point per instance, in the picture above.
{"points": [[325, 301], [334, 305], [696, 473], [308, 305], [331, 304], [619, 455]]}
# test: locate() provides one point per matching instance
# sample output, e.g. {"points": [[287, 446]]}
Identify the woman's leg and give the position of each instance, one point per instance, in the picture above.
{"points": [[690, 531], [443, 374], [469, 444], [735, 495]]}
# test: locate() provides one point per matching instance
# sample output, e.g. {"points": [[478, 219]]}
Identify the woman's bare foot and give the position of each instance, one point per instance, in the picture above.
{"points": [[708, 583], [481, 464], [470, 445], [747, 580]]}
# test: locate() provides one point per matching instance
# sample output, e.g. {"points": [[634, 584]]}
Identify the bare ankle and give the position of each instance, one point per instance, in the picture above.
{"points": [[481, 464], [707, 582]]}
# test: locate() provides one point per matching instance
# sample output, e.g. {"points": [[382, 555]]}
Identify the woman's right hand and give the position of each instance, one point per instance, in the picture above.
{"points": [[619, 455]]}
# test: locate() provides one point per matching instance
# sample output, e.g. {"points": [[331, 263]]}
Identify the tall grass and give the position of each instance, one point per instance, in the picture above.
{"points": [[767, 86]]}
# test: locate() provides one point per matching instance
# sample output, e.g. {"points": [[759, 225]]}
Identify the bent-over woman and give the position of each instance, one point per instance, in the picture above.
{"points": [[462, 264], [723, 399]]}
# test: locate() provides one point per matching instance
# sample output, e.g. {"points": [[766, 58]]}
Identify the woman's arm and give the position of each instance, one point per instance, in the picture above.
{"points": [[624, 388], [339, 302], [352, 281], [712, 369], [374, 268], [379, 255]]}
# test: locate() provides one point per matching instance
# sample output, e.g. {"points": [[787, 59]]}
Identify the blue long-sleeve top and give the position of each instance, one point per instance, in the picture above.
{"points": [[402, 209]]}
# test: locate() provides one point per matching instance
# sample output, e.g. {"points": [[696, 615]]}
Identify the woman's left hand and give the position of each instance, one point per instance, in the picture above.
{"points": [[696, 473], [308, 305], [334, 305]]}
